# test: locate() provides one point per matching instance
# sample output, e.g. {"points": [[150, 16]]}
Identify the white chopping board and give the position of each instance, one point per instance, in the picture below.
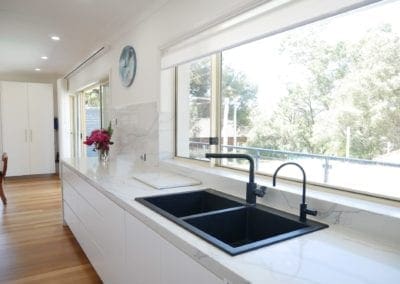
{"points": [[164, 179]]}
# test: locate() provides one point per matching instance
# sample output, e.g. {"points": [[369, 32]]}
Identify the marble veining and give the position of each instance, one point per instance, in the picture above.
{"points": [[136, 131], [338, 254], [166, 135]]}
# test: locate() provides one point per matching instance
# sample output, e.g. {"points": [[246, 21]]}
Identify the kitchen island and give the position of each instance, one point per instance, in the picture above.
{"points": [[128, 243]]}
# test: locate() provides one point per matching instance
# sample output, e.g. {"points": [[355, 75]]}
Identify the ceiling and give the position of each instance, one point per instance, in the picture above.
{"points": [[83, 26]]}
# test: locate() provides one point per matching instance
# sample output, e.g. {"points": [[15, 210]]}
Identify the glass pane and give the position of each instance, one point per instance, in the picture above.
{"points": [[193, 108], [325, 95], [92, 109], [105, 96]]}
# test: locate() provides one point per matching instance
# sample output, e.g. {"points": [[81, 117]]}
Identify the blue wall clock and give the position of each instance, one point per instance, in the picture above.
{"points": [[127, 65]]}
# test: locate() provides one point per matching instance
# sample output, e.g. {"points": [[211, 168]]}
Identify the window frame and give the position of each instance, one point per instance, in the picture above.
{"points": [[216, 122]]}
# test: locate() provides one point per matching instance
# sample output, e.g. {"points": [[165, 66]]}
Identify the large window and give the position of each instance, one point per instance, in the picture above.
{"points": [[325, 95]]}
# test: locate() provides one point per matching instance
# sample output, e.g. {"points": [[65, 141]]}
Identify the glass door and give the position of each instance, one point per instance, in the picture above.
{"points": [[91, 117]]}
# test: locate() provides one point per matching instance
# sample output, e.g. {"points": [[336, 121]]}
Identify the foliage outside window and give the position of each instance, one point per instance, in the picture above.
{"points": [[87, 114], [92, 114], [325, 95], [193, 103]]}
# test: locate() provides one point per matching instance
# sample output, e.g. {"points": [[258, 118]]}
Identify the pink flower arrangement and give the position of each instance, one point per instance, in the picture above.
{"points": [[101, 138]]}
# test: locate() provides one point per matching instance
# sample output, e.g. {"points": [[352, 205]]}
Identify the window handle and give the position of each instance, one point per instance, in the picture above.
{"points": [[26, 135], [30, 132]]}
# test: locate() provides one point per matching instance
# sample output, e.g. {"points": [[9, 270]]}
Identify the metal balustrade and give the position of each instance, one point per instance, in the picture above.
{"points": [[198, 150]]}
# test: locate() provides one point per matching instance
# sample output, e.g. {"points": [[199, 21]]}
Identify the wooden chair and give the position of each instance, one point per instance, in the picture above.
{"points": [[3, 173]]}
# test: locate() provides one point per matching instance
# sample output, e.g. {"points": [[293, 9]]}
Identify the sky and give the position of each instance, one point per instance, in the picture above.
{"points": [[266, 68]]}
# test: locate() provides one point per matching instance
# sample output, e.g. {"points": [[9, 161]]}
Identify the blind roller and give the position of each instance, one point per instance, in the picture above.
{"points": [[270, 18]]}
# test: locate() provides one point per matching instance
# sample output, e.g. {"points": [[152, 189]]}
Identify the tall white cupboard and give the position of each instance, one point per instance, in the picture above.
{"points": [[27, 127]]}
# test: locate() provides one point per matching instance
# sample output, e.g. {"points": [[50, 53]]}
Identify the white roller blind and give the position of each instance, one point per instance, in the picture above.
{"points": [[270, 18]]}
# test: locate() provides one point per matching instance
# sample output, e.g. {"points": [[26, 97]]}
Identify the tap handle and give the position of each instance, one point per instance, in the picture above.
{"points": [[260, 191], [311, 212], [304, 212]]}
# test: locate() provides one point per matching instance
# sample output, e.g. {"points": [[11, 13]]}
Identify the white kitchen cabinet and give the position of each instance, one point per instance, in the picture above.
{"points": [[41, 128], [152, 259], [88, 245], [120, 247], [143, 253], [179, 268], [27, 127], [98, 225]]}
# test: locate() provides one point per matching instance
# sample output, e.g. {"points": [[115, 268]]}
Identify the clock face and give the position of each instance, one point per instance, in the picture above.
{"points": [[127, 65]]}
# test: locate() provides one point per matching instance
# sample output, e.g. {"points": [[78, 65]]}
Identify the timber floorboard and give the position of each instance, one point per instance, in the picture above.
{"points": [[35, 247]]}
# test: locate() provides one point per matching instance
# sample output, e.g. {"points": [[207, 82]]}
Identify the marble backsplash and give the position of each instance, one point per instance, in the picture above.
{"points": [[135, 132]]}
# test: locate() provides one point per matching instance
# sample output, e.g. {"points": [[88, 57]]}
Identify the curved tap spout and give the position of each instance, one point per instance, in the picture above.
{"points": [[303, 206], [252, 191], [304, 177]]}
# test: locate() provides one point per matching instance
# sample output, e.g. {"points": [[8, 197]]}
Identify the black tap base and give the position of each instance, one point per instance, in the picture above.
{"points": [[250, 196]]}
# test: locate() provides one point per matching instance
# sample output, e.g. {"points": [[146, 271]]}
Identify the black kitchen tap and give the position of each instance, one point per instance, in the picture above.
{"points": [[251, 189], [303, 206]]}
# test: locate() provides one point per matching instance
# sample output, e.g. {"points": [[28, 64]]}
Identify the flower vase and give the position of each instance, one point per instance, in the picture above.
{"points": [[104, 155]]}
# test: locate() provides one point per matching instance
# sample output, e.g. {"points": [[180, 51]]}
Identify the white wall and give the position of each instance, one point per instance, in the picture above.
{"points": [[169, 24], [172, 21]]}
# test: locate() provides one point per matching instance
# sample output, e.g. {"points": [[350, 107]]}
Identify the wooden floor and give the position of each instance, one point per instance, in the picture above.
{"points": [[34, 245]]}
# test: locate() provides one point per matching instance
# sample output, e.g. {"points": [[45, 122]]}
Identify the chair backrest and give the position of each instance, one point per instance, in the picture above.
{"points": [[4, 158]]}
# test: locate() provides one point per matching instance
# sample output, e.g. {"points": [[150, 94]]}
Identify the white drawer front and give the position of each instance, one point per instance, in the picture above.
{"points": [[92, 251], [102, 219], [97, 200], [73, 223], [70, 196]]}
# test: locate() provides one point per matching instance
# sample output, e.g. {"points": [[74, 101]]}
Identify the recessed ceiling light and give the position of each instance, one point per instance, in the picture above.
{"points": [[37, 69], [56, 38], [44, 57]]}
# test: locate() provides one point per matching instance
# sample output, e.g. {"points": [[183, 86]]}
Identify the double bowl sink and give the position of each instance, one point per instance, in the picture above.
{"points": [[228, 222]]}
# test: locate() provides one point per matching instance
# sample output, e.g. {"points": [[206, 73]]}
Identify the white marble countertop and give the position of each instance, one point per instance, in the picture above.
{"points": [[332, 255], [162, 179]]}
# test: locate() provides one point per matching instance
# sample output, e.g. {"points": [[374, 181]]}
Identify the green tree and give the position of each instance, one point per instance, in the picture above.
{"points": [[235, 86], [200, 88], [342, 85], [371, 95], [92, 98], [293, 125]]}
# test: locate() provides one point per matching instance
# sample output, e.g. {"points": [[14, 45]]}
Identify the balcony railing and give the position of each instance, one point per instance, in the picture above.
{"points": [[198, 150]]}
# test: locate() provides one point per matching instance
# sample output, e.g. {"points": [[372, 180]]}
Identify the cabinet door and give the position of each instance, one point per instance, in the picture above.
{"points": [[179, 268], [41, 132], [85, 241], [151, 259], [15, 129], [103, 225], [143, 253]]}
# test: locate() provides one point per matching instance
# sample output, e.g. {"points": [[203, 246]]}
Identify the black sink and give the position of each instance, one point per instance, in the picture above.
{"points": [[189, 203], [227, 222], [248, 228]]}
